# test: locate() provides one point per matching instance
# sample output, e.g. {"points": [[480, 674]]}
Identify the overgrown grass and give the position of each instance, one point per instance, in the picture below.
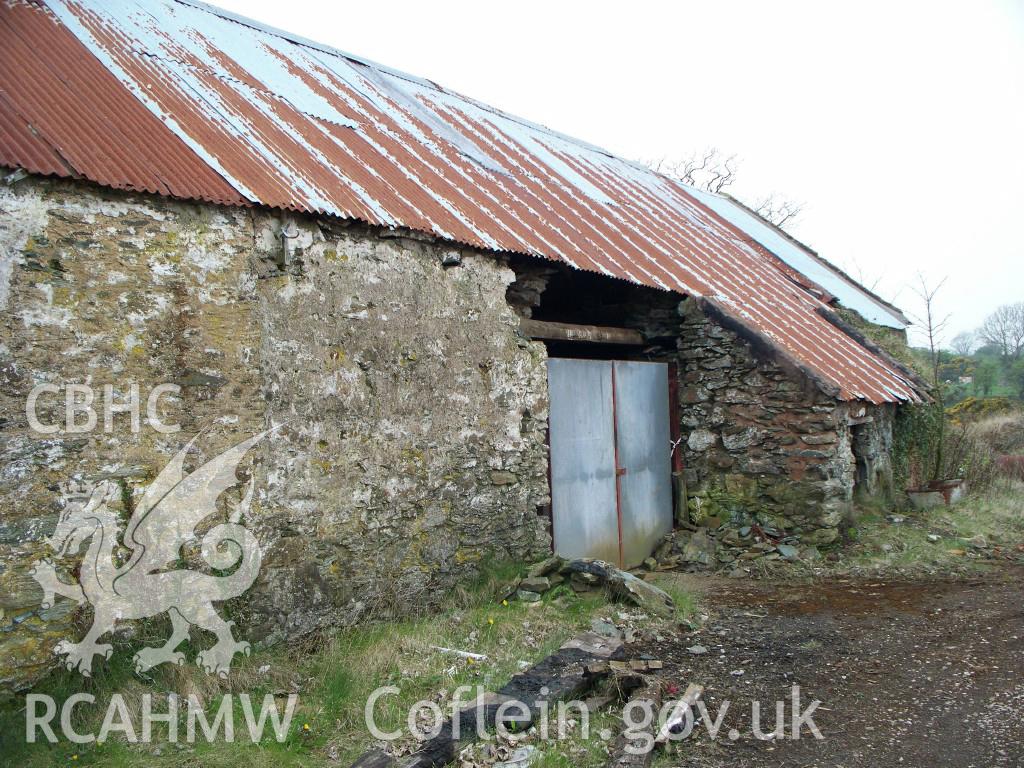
{"points": [[1003, 433], [911, 545], [332, 675], [686, 602]]}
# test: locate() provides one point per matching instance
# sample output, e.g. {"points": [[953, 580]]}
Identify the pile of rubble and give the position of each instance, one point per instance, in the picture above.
{"points": [[717, 546], [603, 667], [599, 671], [562, 676], [585, 575], [687, 548]]}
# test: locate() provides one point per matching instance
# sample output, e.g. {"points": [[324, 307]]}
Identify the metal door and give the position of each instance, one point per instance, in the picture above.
{"points": [[611, 491], [583, 508], [644, 457]]}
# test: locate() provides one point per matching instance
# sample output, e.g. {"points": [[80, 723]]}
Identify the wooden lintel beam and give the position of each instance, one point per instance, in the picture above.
{"points": [[594, 334]]}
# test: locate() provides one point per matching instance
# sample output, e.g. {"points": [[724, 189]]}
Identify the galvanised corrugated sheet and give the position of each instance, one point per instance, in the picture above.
{"points": [[805, 261], [274, 120]]}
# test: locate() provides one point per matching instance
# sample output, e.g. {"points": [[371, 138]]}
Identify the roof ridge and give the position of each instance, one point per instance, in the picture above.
{"points": [[304, 41]]}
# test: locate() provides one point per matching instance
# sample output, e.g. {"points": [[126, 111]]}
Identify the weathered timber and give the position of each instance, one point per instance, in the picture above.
{"points": [[461, 654], [375, 758], [559, 677], [563, 673], [635, 665], [594, 334], [623, 753], [675, 721]]}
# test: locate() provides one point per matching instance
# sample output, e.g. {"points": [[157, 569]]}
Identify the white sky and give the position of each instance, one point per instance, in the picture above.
{"points": [[899, 125]]}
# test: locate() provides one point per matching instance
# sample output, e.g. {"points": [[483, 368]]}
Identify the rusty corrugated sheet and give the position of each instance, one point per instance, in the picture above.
{"points": [[63, 113], [237, 112]]}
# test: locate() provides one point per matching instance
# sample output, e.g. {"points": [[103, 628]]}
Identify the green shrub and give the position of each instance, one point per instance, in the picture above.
{"points": [[917, 442], [975, 408]]}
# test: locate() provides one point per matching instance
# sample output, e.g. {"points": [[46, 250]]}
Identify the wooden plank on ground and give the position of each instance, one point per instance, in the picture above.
{"points": [[375, 758], [680, 711], [622, 753], [561, 676]]}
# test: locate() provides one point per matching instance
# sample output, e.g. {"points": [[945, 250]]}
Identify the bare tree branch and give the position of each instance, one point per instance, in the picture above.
{"points": [[710, 170], [858, 271], [963, 343], [777, 210], [933, 324], [1005, 329], [714, 171]]}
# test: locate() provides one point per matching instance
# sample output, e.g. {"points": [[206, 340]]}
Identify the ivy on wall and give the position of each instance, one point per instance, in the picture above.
{"points": [[917, 435]]}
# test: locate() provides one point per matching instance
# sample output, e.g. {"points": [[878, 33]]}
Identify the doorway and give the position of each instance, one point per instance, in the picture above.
{"points": [[611, 485]]}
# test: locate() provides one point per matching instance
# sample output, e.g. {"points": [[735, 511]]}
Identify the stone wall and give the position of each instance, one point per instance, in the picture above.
{"points": [[412, 446], [764, 444], [872, 439], [411, 415]]}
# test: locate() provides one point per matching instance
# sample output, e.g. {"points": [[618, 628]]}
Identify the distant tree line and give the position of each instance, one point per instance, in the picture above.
{"points": [[987, 361]]}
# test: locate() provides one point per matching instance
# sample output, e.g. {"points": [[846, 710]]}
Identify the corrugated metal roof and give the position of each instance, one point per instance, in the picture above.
{"points": [[808, 263], [63, 113], [228, 111]]}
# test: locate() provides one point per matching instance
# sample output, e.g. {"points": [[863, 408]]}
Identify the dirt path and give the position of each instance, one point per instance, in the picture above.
{"points": [[918, 674]]}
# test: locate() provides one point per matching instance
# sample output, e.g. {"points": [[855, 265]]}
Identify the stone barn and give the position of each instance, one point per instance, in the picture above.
{"points": [[477, 339]]}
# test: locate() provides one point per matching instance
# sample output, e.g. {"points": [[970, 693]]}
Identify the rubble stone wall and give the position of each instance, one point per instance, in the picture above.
{"points": [[411, 414], [763, 444], [872, 436]]}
